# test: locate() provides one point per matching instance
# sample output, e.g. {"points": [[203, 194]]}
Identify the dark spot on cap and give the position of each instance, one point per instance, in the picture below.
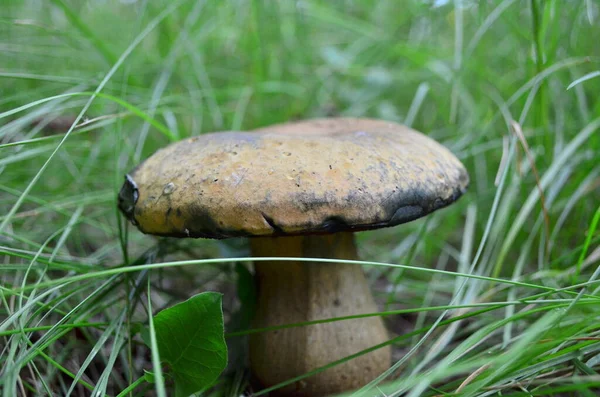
{"points": [[128, 196], [277, 230], [406, 213], [335, 224]]}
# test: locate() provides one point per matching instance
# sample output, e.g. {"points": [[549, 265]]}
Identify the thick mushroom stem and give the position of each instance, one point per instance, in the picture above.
{"points": [[295, 292]]}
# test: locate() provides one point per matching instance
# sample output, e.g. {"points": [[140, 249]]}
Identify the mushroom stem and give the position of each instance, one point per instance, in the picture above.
{"points": [[295, 292]]}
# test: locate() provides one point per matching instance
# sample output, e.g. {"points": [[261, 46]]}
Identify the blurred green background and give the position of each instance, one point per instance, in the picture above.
{"points": [[466, 73]]}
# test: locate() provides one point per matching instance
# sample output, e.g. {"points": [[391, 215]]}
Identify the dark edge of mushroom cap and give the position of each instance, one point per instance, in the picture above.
{"points": [[398, 215]]}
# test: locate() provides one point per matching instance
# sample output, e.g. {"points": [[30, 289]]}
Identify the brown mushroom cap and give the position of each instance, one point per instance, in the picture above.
{"points": [[317, 176]]}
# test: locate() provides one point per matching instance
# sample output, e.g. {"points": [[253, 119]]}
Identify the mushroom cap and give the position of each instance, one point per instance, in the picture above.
{"points": [[309, 177]]}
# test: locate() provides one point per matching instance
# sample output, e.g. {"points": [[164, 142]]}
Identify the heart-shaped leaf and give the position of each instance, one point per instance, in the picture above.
{"points": [[190, 338]]}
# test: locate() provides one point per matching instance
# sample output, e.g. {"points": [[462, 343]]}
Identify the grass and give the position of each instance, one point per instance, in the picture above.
{"points": [[496, 295]]}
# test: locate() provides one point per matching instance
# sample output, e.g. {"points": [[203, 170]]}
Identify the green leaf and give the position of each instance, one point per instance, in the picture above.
{"points": [[149, 376], [190, 339], [585, 370]]}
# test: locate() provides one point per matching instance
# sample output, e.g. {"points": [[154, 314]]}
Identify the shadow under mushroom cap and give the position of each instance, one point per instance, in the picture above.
{"points": [[317, 176]]}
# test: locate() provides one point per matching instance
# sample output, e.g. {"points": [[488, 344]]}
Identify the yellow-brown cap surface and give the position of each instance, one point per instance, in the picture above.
{"points": [[316, 176]]}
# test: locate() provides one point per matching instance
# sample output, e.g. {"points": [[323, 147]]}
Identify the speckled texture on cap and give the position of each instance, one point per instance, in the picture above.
{"points": [[316, 176]]}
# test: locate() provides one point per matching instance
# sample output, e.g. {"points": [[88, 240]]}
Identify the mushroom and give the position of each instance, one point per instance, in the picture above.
{"points": [[300, 190]]}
